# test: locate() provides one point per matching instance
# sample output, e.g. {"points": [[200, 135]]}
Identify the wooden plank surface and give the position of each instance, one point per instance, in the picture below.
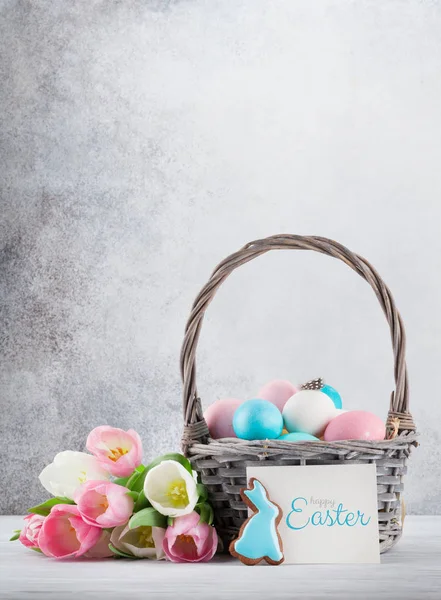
{"points": [[412, 570]]}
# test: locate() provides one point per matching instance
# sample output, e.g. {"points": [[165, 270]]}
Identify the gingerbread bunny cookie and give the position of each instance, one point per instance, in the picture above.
{"points": [[258, 537]]}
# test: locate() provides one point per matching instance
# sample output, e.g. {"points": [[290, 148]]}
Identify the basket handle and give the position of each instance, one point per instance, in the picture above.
{"points": [[195, 428]]}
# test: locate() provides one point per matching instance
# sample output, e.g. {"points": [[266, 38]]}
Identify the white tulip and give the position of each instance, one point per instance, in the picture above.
{"points": [[69, 471], [142, 542], [171, 489]]}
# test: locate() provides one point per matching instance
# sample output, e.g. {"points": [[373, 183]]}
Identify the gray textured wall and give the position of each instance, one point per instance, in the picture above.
{"points": [[142, 142]]}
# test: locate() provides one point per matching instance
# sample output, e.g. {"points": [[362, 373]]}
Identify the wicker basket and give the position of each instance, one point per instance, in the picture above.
{"points": [[222, 463]]}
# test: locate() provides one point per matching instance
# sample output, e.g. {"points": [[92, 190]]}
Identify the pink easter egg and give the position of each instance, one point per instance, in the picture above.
{"points": [[219, 417], [278, 392], [355, 425]]}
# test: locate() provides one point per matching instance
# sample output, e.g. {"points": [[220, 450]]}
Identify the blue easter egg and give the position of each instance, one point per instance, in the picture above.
{"points": [[333, 394], [257, 420], [298, 436]]}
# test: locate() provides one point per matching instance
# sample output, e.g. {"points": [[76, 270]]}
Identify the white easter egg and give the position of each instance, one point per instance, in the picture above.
{"points": [[308, 411]]}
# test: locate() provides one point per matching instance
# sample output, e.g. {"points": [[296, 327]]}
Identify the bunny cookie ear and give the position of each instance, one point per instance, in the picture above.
{"points": [[248, 493], [258, 537], [256, 492]]}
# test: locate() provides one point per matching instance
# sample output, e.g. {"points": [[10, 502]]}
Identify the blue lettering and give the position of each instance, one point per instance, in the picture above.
{"points": [[350, 520], [339, 516], [313, 519], [339, 511], [331, 520], [361, 515], [296, 510]]}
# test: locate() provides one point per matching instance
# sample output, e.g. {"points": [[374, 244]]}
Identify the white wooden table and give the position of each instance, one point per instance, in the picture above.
{"points": [[412, 570]]}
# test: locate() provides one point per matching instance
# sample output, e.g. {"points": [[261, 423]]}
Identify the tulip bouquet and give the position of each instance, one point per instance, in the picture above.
{"points": [[107, 503]]}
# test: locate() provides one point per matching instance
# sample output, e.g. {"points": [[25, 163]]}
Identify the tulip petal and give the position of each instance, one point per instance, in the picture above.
{"points": [[171, 489], [58, 530], [185, 523], [64, 534], [104, 504], [101, 547], [129, 541], [87, 536], [116, 535], [119, 451], [185, 547], [29, 535], [188, 541], [158, 534], [68, 471]]}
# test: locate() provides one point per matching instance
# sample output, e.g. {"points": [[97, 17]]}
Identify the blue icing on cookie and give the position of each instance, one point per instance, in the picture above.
{"points": [[259, 537]]}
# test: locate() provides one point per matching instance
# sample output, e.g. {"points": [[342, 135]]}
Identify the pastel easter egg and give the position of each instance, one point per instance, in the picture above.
{"points": [[257, 419], [338, 412], [278, 392], [219, 417], [333, 394], [355, 425], [308, 411], [298, 436]]}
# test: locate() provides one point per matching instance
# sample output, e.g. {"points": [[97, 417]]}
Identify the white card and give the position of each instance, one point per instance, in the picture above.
{"points": [[329, 511]]}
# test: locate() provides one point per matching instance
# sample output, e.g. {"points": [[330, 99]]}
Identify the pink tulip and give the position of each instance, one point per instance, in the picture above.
{"points": [[101, 548], [104, 504], [118, 451], [64, 533], [31, 530], [187, 540]]}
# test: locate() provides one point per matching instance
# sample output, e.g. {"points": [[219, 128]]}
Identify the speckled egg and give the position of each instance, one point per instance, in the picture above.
{"points": [[333, 394], [308, 411], [355, 425], [219, 417], [298, 436], [278, 392], [257, 419]]}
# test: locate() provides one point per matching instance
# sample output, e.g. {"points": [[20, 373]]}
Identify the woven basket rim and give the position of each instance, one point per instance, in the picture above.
{"points": [[239, 447], [403, 436]]}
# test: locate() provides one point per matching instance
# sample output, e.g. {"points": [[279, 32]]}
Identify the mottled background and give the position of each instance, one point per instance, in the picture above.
{"points": [[141, 142]]}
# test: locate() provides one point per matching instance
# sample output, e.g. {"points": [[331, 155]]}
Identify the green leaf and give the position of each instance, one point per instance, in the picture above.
{"points": [[133, 495], [121, 554], [44, 508], [141, 502], [206, 512], [136, 480], [137, 483], [202, 492], [148, 517], [121, 481], [170, 520], [15, 536], [37, 550]]}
